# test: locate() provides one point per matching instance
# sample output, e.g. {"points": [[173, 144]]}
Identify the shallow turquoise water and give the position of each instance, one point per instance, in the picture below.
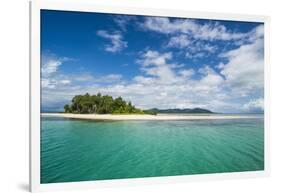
{"points": [[74, 150]]}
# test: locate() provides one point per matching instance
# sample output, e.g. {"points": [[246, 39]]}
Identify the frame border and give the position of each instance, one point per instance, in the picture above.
{"points": [[35, 95]]}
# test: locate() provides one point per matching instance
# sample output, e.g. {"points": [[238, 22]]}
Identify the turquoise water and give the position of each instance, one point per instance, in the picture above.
{"points": [[79, 150]]}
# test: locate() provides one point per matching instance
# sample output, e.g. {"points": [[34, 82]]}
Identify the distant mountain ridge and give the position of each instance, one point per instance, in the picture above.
{"points": [[177, 110]]}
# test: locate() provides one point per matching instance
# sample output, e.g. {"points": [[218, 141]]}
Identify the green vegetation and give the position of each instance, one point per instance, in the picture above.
{"points": [[150, 112], [191, 111], [101, 104]]}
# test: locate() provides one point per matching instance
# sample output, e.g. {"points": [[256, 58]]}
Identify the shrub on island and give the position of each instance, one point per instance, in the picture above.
{"points": [[101, 104]]}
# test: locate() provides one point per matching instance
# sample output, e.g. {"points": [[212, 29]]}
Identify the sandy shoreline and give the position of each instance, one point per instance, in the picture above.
{"points": [[147, 117]]}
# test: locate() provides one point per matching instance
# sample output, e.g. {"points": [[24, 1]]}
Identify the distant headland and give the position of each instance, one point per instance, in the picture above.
{"points": [[178, 111]]}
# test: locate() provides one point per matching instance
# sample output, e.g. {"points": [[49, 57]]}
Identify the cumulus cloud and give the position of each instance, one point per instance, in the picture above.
{"points": [[50, 67], [187, 73], [122, 21], [155, 64], [181, 41], [211, 78], [50, 64], [254, 105], [197, 38], [116, 40], [206, 31], [46, 83], [199, 49], [244, 69]]}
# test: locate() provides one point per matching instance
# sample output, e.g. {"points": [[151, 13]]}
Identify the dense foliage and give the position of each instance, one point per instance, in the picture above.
{"points": [[100, 104]]}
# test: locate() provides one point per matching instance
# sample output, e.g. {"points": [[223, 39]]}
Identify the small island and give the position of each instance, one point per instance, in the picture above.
{"points": [[102, 104]]}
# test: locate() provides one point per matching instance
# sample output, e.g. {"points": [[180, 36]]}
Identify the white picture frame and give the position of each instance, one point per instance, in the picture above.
{"points": [[36, 6]]}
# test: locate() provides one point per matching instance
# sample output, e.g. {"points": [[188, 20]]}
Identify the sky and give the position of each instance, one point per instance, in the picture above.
{"points": [[154, 62]]}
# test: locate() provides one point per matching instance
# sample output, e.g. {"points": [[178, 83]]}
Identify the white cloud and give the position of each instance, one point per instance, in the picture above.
{"points": [[154, 58], [211, 78], [83, 77], [220, 66], [164, 25], [144, 80], [216, 32], [52, 83], [50, 64], [180, 41], [194, 48], [187, 73], [46, 83], [155, 64], [117, 43], [123, 20], [199, 49], [196, 38], [254, 105], [52, 78], [50, 67], [207, 31], [114, 76], [244, 71], [65, 81]]}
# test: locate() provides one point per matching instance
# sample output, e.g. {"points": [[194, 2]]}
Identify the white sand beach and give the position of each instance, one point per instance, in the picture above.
{"points": [[149, 117]]}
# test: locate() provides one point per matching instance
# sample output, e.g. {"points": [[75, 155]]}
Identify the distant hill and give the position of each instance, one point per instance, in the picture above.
{"points": [[195, 110]]}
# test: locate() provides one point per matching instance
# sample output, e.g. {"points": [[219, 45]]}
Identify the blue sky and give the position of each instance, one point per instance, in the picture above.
{"points": [[152, 61]]}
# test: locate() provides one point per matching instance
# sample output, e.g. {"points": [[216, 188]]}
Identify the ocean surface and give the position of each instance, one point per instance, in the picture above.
{"points": [[82, 150]]}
